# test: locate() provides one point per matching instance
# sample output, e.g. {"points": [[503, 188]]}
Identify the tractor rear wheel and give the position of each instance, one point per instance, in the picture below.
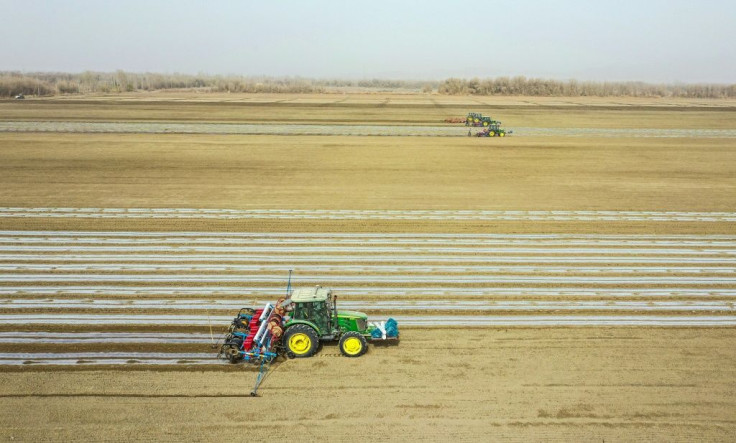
{"points": [[353, 344], [301, 341]]}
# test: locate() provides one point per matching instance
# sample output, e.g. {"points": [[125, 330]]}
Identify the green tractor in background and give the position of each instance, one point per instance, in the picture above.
{"points": [[493, 130], [314, 318], [473, 119], [478, 119]]}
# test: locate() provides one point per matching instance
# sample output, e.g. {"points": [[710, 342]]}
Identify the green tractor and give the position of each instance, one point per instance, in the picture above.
{"points": [[314, 318], [478, 119], [493, 130], [296, 325], [473, 119]]}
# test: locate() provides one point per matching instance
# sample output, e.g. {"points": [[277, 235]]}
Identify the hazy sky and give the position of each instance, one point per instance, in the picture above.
{"points": [[656, 41]]}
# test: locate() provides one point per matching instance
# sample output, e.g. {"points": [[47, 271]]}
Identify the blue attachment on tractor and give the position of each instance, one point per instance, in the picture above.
{"points": [[249, 340]]}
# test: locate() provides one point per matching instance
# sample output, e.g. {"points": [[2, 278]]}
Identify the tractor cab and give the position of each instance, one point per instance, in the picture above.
{"points": [[313, 305]]}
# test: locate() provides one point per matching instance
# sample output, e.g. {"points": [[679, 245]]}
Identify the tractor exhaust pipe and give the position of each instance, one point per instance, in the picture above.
{"points": [[288, 285], [334, 311]]}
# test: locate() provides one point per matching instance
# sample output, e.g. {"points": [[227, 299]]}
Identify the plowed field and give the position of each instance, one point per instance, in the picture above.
{"points": [[573, 283]]}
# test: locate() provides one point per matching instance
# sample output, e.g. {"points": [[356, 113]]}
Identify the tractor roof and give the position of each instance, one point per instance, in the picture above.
{"points": [[317, 293]]}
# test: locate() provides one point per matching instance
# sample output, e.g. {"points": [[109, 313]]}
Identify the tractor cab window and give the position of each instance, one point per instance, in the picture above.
{"points": [[315, 312], [320, 309], [320, 315], [303, 311]]}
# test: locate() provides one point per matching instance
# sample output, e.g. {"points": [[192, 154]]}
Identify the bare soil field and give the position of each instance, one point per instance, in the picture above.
{"points": [[313, 172], [105, 303], [544, 112], [468, 384]]}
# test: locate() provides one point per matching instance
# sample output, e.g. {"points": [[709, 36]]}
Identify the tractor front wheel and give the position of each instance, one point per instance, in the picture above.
{"points": [[353, 344], [301, 341]]}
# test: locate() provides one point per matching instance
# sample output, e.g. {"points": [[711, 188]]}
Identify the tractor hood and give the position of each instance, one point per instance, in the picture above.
{"points": [[351, 314], [352, 321]]}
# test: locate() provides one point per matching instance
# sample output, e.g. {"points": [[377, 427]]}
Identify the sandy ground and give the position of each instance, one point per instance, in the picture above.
{"points": [[314, 172], [592, 384], [515, 384], [581, 112]]}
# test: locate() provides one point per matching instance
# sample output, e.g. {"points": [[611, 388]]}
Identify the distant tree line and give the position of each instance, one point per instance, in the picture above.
{"points": [[572, 88], [12, 83], [46, 83]]}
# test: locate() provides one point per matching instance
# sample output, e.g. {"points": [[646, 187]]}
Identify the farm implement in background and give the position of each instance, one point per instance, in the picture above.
{"points": [[494, 130], [478, 119], [454, 120], [491, 128], [296, 325]]}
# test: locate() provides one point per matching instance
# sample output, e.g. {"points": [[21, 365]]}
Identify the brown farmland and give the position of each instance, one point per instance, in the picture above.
{"points": [[472, 383]]}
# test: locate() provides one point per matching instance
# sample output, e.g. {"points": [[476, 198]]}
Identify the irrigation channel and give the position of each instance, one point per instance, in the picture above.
{"points": [[344, 130], [123, 297]]}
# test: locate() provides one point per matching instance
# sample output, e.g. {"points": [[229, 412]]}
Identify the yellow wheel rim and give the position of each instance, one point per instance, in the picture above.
{"points": [[476, 120], [485, 123], [352, 346], [300, 343], [491, 133], [501, 134]]}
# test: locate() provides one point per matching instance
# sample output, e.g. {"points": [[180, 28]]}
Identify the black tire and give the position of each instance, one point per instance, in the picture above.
{"points": [[301, 341], [238, 325], [231, 350], [353, 344], [246, 311]]}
